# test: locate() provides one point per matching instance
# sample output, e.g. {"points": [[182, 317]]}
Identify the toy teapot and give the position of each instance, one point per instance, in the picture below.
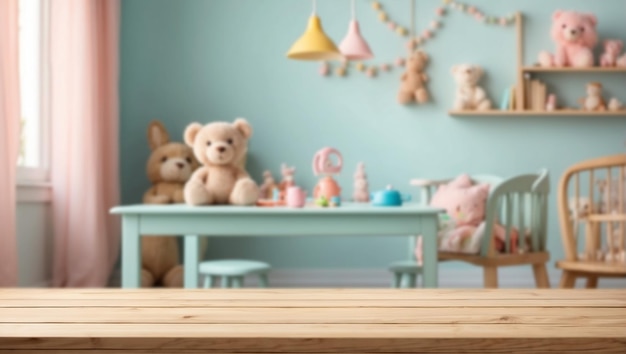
{"points": [[389, 197], [322, 164]]}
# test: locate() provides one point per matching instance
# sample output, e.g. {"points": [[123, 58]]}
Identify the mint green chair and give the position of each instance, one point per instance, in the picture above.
{"points": [[519, 201], [232, 272]]}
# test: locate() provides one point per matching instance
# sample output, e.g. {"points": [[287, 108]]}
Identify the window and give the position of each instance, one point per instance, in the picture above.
{"points": [[32, 162]]}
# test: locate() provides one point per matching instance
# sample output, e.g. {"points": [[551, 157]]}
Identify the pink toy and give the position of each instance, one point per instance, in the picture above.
{"points": [[361, 193], [551, 104], [612, 50], [322, 164], [575, 36], [288, 180], [296, 197]]}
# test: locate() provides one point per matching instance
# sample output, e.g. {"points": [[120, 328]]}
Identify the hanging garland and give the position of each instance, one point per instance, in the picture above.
{"points": [[415, 40]]}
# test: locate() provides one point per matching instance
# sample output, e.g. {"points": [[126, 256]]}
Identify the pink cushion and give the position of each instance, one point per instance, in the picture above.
{"points": [[464, 203]]}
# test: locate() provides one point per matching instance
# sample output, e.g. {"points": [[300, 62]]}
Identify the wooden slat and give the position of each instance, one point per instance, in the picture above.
{"points": [[599, 267], [305, 345], [311, 330], [601, 317], [306, 294], [618, 301]]}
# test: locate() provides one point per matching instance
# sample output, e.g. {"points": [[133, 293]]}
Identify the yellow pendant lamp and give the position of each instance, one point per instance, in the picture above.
{"points": [[314, 44]]}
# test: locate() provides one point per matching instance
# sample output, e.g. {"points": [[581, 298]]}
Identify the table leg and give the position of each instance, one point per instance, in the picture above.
{"points": [[429, 249], [131, 252], [191, 261]]}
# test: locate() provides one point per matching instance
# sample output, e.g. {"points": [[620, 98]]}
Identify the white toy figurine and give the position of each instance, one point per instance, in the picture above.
{"points": [[361, 193], [615, 105]]}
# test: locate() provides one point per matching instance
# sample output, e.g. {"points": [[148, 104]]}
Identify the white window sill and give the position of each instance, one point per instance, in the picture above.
{"points": [[34, 192]]}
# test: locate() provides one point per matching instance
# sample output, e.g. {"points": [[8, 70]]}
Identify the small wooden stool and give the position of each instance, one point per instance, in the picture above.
{"points": [[405, 273], [233, 271]]}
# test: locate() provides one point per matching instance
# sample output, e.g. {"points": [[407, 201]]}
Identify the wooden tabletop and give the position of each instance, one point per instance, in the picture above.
{"points": [[313, 320]]}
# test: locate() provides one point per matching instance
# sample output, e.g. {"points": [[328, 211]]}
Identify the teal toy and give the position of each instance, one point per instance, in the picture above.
{"points": [[389, 197]]}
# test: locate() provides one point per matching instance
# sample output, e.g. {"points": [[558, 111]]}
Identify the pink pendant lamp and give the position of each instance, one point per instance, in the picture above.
{"points": [[354, 46]]}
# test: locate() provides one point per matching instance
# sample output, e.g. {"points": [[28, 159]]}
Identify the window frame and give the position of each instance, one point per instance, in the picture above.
{"points": [[33, 183]]}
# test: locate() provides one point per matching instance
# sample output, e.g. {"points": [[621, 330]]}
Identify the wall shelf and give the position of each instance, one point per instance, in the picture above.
{"points": [[595, 69], [520, 108], [561, 113]]}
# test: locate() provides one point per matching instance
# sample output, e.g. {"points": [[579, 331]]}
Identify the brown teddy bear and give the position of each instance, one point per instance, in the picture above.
{"points": [[221, 148], [170, 165], [413, 80]]}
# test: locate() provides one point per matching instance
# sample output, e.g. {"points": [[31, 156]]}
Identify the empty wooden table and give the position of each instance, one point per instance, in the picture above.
{"points": [[312, 321]]}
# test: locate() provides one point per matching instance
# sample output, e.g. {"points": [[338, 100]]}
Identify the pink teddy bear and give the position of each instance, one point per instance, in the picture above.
{"points": [[612, 50], [575, 36]]}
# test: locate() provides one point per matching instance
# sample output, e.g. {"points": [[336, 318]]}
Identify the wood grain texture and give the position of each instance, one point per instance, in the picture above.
{"points": [[312, 321]]}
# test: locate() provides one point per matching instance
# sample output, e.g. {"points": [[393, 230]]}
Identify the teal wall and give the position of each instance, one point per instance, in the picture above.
{"points": [[206, 60]]}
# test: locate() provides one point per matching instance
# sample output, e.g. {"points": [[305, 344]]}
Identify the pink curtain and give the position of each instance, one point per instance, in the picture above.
{"points": [[84, 161], [9, 138]]}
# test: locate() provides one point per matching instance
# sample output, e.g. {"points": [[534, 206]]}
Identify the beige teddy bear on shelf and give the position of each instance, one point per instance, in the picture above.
{"points": [[221, 148], [469, 95], [594, 100]]}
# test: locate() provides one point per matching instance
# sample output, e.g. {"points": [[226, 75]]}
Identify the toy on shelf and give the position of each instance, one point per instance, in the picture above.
{"points": [[575, 36], [594, 100], [551, 104], [327, 187], [266, 189], [361, 192], [469, 95], [615, 105], [413, 79], [612, 51]]}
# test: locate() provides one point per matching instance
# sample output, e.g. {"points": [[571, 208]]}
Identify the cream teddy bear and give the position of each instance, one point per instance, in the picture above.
{"points": [[220, 147], [469, 96], [169, 166], [594, 100]]}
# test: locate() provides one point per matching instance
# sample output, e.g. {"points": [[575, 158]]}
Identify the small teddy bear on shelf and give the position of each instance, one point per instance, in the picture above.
{"points": [[612, 51], [594, 100], [469, 95], [361, 187], [412, 86]]}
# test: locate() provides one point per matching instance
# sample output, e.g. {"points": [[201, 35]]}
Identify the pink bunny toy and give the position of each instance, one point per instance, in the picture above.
{"points": [[322, 164], [612, 50]]}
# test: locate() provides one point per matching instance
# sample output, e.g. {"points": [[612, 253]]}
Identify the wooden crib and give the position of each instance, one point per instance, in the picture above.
{"points": [[591, 202]]}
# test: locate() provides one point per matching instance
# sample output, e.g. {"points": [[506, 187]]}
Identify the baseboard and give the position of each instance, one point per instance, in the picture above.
{"points": [[470, 277]]}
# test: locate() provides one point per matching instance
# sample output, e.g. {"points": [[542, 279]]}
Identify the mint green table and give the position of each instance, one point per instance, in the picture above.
{"points": [[359, 220]]}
